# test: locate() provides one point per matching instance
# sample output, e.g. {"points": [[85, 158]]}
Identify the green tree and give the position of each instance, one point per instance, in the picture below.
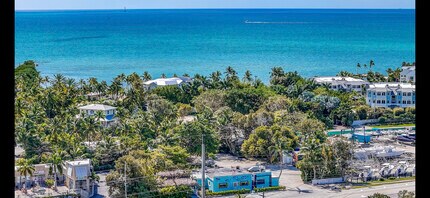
{"points": [[269, 142], [405, 194]]}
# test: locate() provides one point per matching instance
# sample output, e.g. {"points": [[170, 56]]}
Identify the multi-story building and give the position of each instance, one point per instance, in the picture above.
{"points": [[408, 74], [342, 83], [91, 109], [390, 95], [78, 176]]}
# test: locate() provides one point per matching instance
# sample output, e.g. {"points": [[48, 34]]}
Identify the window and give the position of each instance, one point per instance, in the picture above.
{"points": [[373, 101], [378, 101], [409, 102], [235, 184], [404, 93], [91, 112], [260, 181], [244, 183], [334, 86], [404, 101], [413, 102], [409, 94], [222, 185], [383, 93], [379, 93], [383, 101], [373, 93]]}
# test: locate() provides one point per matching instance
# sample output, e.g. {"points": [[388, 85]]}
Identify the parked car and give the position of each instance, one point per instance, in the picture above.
{"points": [[256, 169]]}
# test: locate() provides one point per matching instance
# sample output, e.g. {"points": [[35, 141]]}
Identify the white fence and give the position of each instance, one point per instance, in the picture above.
{"points": [[361, 122], [327, 181]]}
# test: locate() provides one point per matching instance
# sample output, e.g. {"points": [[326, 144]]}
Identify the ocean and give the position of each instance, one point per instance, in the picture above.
{"points": [[313, 42]]}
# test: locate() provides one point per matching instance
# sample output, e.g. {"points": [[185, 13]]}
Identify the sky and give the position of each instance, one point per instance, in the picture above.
{"points": [[168, 4]]}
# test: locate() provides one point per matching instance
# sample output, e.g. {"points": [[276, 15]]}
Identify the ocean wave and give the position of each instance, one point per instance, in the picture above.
{"points": [[78, 38], [277, 22]]}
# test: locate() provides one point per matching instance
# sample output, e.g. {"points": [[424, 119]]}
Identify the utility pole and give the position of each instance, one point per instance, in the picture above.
{"points": [[203, 166], [125, 179]]}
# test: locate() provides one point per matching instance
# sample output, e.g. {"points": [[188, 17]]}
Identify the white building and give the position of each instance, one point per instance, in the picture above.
{"points": [[390, 95], [91, 109], [342, 83], [175, 81], [78, 176], [408, 74]]}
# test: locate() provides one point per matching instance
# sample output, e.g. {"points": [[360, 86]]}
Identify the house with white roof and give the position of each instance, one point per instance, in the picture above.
{"points": [[175, 81], [78, 176], [408, 74], [342, 83], [91, 109], [390, 95]]}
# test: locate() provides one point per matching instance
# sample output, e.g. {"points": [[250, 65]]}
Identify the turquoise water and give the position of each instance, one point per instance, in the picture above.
{"points": [[103, 44]]}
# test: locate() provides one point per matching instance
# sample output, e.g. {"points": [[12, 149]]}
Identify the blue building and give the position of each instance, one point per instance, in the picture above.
{"points": [[362, 137], [218, 180], [390, 95]]}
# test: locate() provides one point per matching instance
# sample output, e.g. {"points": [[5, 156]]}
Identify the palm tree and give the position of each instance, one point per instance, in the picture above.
{"points": [[56, 160], [174, 75], [186, 75], [248, 76], [146, 76], [371, 64], [277, 72], [100, 116], [358, 67], [25, 168], [163, 75]]}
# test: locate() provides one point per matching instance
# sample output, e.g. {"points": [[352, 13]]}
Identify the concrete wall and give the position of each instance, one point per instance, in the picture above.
{"points": [[327, 181]]}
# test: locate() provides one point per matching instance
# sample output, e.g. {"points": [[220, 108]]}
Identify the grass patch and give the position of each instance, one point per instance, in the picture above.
{"points": [[383, 182], [269, 188]]}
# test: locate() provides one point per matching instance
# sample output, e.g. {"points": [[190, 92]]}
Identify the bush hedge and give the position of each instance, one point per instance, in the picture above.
{"points": [[269, 188], [228, 192]]}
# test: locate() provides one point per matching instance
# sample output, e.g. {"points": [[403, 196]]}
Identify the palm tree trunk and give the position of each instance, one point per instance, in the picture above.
{"points": [[55, 177]]}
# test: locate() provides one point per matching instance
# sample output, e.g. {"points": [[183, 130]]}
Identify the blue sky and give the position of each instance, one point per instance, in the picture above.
{"points": [[154, 4]]}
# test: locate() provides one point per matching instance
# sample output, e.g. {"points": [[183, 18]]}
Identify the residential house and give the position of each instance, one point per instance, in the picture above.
{"points": [[78, 176], [91, 109]]}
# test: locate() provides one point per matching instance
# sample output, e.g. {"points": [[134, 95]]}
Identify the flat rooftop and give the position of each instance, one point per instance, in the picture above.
{"points": [[392, 85], [337, 78], [216, 172], [97, 107]]}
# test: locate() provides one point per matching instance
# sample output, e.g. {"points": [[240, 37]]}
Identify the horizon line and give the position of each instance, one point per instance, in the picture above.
{"points": [[214, 9]]}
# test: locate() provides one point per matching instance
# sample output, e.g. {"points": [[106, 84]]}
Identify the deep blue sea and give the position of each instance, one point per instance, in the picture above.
{"points": [[105, 43]]}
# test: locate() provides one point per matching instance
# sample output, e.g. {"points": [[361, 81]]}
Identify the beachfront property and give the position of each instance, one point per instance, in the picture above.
{"points": [[78, 176], [91, 109], [408, 74], [342, 83], [175, 81], [219, 180], [390, 95]]}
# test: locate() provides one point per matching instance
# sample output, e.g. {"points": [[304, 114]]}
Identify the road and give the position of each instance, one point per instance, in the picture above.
{"points": [[388, 189]]}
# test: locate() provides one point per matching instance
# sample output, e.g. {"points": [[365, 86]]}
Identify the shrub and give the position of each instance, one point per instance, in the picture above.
{"points": [[269, 188], [382, 120], [398, 111], [49, 182], [392, 178], [228, 192], [381, 179]]}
